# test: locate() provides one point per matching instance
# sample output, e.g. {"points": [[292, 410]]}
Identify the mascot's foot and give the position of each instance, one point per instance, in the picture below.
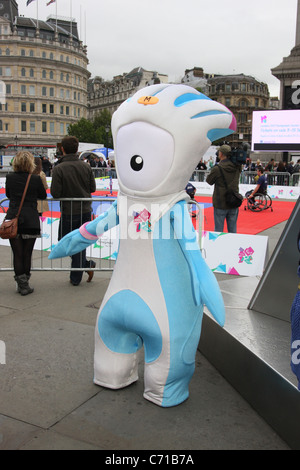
{"points": [[91, 273]]}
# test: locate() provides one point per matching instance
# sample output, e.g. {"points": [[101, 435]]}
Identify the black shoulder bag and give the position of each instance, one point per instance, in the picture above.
{"points": [[233, 199]]}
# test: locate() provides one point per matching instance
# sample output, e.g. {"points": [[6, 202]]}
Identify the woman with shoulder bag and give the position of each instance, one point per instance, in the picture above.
{"points": [[29, 222]]}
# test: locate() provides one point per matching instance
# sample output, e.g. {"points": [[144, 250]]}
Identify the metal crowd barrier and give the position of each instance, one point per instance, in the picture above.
{"points": [[40, 261], [275, 178]]}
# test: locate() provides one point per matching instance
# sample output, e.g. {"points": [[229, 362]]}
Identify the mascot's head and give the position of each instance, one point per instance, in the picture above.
{"points": [[160, 135]]}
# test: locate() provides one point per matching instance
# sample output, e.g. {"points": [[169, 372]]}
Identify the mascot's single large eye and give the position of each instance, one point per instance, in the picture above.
{"points": [[136, 163], [144, 156]]}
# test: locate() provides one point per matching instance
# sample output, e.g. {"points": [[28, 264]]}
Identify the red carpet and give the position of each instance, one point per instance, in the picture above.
{"points": [[251, 222]]}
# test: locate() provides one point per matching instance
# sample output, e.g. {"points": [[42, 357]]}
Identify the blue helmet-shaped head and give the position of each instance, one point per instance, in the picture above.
{"points": [[160, 135]]}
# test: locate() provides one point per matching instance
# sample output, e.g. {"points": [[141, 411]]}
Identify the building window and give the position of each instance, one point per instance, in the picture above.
{"points": [[44, 108], [51, 75], [23, 72], [23, 107], [1, 125], [7, 51], [31, 73], [31, 53], [51, 91], [51, 127], [23, 89], [61, 77], [61, 110], [44, 55], [32, 127], [44, 91], [242, 117], [62, 128], [67, 110], [8, 89], [51, 108], [62, 93], [51, 55], [23, 53], [7, 71], [23, 126], [227, 102], [32, 90], [44, 126], [44, 74], [32, 107]]}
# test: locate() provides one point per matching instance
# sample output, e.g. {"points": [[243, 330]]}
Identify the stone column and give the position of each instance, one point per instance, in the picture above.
{"points": [[298, 25]]}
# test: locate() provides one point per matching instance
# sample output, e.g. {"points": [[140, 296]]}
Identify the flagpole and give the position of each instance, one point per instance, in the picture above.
{"points": [[37, 14], [71, 18]]}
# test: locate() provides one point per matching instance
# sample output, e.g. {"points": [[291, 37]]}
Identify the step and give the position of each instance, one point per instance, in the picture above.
{"points": [[252, 352]]}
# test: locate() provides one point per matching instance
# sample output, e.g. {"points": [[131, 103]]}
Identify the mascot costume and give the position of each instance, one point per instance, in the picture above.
{"points": [[160, 281]]}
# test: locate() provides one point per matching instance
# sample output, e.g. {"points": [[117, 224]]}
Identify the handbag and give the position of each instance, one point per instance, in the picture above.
{"points": [[233, 199], [9, 228]]}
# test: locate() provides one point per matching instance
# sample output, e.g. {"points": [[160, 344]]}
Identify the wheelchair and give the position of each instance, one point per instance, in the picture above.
{"points": [[259, 202]]}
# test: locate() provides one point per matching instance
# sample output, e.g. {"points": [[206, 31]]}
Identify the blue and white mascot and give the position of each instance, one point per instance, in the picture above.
{"points": [[160, 281]]}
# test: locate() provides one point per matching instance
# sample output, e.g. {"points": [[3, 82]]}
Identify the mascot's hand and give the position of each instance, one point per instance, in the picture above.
{"points": [[69, 245]]}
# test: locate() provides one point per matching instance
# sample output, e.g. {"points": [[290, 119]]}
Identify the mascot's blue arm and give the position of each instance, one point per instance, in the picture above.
{"points": [[205, 286], [74, 242]]}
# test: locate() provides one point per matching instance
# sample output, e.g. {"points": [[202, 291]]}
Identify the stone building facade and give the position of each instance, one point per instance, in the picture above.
{"points": [[242, 94], [43, 77], [110, 94]]}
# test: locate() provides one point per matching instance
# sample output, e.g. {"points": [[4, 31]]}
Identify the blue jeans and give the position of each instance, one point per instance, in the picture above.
{"points": [[230, 215], [67, 224]]}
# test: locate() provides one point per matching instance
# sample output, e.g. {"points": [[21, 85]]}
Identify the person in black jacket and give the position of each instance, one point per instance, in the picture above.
{"points": [[29, 222], [73, 178]]}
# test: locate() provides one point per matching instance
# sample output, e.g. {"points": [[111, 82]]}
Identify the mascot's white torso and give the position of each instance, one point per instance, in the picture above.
{"points": [[160, 282]]}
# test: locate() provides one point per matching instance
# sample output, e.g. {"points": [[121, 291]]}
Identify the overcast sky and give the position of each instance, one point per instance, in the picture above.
{"points": [[169, 36]]}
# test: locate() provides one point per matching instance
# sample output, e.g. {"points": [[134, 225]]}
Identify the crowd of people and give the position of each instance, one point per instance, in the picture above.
{"points": [[278, 173], [96, 162]]}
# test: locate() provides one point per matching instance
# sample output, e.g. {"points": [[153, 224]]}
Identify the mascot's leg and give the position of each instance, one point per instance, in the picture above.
{"points": [[167, 379], [123, 323]]}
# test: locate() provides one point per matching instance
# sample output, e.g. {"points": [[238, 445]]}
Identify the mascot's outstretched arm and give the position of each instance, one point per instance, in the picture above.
{"points": [[205, 287], [86, 235]]}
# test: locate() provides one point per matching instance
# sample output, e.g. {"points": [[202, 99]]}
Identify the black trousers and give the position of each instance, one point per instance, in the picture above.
{"points": [[67, 224]]}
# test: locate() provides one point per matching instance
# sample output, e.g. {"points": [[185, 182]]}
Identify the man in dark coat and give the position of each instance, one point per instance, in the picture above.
{"points": [[73, 178], [232, 175]]}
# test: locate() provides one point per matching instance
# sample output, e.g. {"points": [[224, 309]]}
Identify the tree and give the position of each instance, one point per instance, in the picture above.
{"points": [[101, 122], [93, 131], [83, 130]]}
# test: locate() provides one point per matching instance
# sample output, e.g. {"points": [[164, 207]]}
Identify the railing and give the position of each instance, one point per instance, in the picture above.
{"points": [[247, 177], [104, 261], [275, 178], [49, 234]]}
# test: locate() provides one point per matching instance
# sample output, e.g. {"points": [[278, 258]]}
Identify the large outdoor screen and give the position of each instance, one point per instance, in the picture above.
{"points": [[277, 131]]}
